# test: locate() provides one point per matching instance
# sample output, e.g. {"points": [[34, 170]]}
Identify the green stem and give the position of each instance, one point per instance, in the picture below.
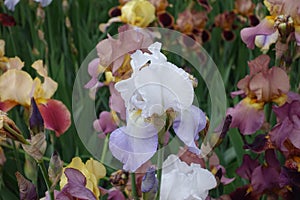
{"points": [[12, 41], [104, 150], [46, 178], [160, 159], [133, 187], [23, 152], [15, 134], [17, 157]]}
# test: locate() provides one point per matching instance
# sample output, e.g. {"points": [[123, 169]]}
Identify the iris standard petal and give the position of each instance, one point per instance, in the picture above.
{"points": [[132, 151], [16, 85], [188, 124]]}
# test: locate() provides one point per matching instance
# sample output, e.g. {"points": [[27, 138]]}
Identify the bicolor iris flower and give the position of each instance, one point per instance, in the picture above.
{"points": [[261, 86], [91, 171], [17, 88], [156, 89], [75, 188], [284, 19]]}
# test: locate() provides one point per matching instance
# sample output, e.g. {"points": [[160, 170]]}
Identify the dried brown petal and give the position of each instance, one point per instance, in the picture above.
{"points": [[26, 188], [55, 169], [37, 146]]}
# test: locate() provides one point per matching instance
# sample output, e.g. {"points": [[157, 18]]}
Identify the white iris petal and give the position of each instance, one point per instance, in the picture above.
{"points": [[160, 85]]}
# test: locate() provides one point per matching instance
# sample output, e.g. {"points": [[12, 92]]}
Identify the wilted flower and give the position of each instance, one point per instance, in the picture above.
{"points": [[138, 13], [92, 171], [8, 129], [17, 87], [55, 169], [181, 181], [155, 89], [26, 188], [263, 85]]}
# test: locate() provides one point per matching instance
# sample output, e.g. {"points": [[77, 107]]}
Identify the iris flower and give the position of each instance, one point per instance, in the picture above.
{"points": [[183, 181], [17, 88], [288, 126], [90, 172], [263, 85], [155, 88], [283, 21]]}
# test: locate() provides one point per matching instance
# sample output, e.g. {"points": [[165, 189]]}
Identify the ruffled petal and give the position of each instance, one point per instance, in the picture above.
{"points": [[181, 181], [173, 87], [132, 151], [16, 85], [265, 27], [56, 116], [247, 116], [188, 124]]}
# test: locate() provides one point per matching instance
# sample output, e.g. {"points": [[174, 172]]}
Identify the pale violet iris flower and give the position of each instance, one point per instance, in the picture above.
{"points": [[155, 87], [10, 4], [181, 181]]}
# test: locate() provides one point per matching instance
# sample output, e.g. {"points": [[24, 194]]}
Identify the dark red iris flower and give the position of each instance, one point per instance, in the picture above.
{"points": [[7, 20]]}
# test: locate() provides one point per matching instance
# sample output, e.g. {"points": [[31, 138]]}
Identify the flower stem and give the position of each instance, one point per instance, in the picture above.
{"points": [[23, 152], [104, 150], [160, 159], [17, 157], [15, 134], [133, 187], [46, 178]]}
